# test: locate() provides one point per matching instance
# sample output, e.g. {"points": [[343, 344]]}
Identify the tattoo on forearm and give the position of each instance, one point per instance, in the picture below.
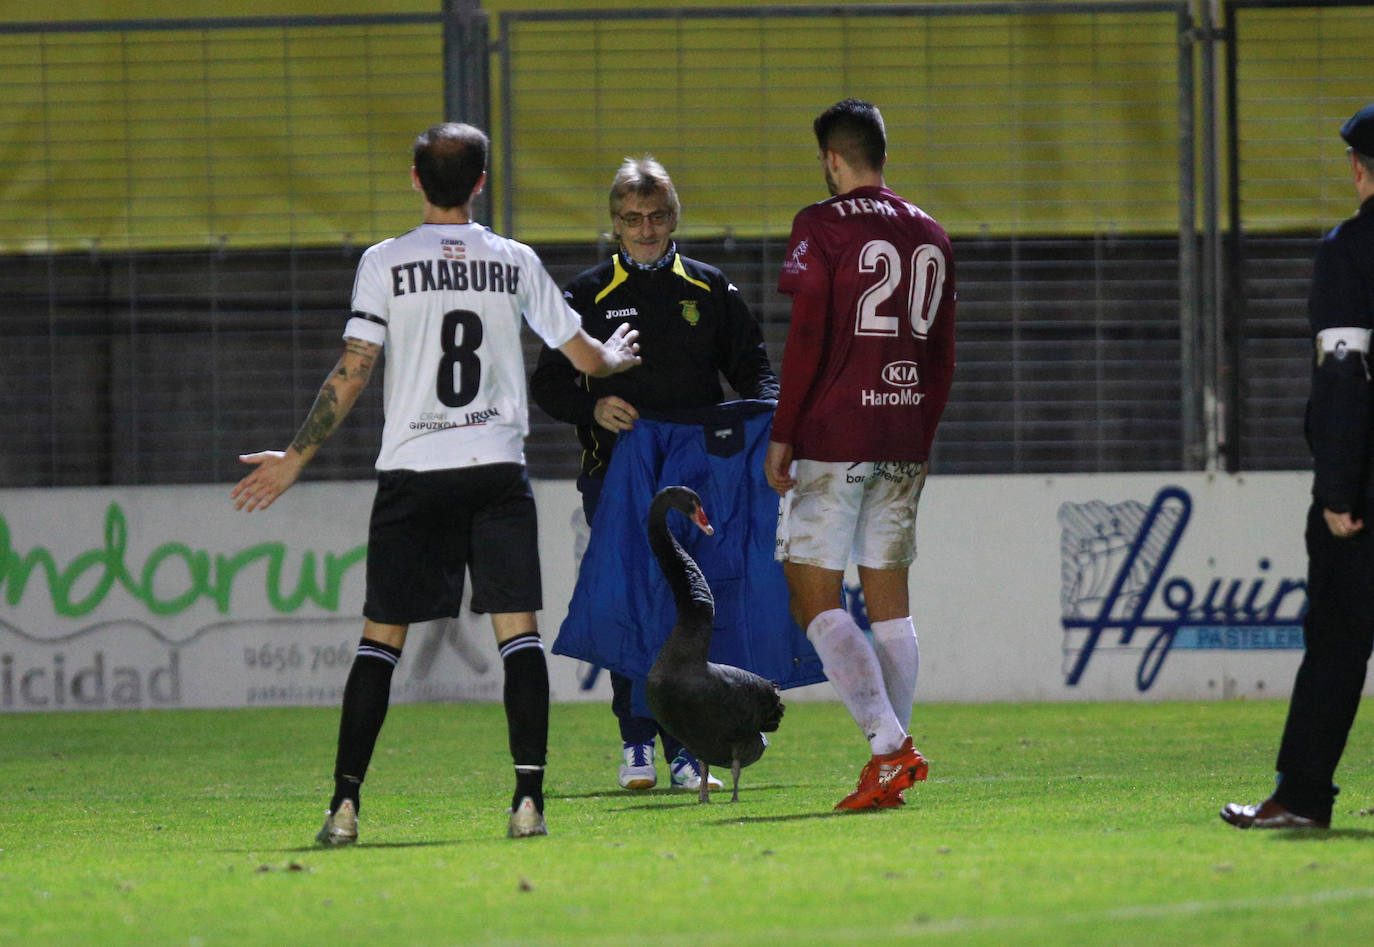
{"points": [[365, 356], [320, 423], [336, 396]]}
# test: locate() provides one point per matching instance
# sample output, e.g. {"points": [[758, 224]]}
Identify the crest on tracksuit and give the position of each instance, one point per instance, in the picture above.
{"points": [[690, 312]]}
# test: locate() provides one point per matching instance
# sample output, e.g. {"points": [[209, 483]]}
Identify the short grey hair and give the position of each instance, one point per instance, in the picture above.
{"points": [[647, 178]]}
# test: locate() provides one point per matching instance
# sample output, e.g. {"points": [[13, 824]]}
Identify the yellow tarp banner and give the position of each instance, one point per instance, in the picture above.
{"points": [[999, 124]]}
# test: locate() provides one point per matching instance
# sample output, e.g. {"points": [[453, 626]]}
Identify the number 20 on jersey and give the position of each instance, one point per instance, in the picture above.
{"points": [[927, 286]]}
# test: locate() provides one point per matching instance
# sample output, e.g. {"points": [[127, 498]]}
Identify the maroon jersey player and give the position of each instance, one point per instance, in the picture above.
{"points": [[865, 377], [870, 354]]}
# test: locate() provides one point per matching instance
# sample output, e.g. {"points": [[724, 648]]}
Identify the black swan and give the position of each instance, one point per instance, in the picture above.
{"points": [[718, 711]]}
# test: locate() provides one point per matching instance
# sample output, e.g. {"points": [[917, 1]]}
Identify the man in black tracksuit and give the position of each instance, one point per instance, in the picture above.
{"points": [[1338, 630], [693, 327]]}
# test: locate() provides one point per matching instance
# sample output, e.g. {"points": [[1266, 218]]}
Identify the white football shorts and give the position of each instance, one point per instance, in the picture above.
{"points": [[864, 513]]}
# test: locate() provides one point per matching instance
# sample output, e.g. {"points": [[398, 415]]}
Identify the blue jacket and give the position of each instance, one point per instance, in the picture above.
{"points": [[621, 609]]}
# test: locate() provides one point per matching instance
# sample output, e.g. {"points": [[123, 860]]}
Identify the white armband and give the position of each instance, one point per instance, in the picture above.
{"points": [[1340, 340], [368, 329]]}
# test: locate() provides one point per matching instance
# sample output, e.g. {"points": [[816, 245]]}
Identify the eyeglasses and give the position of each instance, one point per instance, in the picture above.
{"points": [[658, 218]]}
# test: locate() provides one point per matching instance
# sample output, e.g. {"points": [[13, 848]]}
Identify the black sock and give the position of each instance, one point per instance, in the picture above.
{"points": [[366, 698], [346, 787], [529, 781], [527, 713]]}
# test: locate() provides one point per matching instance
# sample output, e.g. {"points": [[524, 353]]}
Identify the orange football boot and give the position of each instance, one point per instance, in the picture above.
{"points": [[884, 777]]}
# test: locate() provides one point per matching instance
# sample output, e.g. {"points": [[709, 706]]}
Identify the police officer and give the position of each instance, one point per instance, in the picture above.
{"points": [[694, 327], [1339, 627]]}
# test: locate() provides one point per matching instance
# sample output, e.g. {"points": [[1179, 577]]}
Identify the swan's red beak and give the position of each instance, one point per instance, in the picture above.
{"points": [[699, 517]]}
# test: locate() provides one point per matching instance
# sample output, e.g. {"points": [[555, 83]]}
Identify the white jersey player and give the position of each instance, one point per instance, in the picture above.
{"points": [[446, 301]]}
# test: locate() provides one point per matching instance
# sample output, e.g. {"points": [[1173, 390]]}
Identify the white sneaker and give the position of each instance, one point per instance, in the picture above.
{"points": [[340, 827], [637, 772], [526, 820], [687, 773]]}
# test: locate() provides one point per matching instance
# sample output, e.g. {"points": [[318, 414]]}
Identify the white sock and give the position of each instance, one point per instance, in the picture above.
{"points": [[853, 669], [899, 654]]}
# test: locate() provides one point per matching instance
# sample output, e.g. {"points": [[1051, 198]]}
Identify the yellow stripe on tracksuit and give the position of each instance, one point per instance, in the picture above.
{"points": [[678, 269], [617, 277], [620, 275]]}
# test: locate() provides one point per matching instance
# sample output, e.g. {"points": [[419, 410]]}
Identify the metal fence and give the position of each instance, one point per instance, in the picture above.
{"points": [[1046, 137], [233, 170], [184, 202]]}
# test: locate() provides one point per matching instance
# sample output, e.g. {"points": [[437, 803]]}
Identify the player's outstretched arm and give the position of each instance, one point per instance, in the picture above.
{"points": [[275, 471], [617, 354]]}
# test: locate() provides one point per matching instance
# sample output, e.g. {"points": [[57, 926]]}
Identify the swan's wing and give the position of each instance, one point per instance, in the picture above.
{"points": [[754, 699]]}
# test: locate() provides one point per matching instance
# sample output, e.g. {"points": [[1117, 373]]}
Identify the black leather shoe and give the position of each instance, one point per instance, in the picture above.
{"points": [[1267, 815]]}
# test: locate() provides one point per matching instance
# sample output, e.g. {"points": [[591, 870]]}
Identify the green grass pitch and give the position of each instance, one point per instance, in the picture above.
{"points": [[1041, 824]]}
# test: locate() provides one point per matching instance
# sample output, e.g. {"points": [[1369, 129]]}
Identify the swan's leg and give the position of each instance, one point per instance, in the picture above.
{"points": [[704, 793], [734, 771]]}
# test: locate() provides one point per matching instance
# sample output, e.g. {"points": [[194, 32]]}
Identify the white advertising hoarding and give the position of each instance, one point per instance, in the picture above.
{"points": [[1084, 587], [1115, 587]]}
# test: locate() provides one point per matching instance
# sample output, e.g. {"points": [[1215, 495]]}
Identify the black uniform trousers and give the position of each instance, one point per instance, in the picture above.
{"points": [[1338, 633]]}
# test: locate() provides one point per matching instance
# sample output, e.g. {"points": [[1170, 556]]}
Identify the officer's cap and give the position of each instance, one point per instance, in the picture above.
{"points": [[1359, 131]]}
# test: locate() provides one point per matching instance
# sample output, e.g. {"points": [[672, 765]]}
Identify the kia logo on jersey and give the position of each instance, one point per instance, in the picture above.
{"points": [[901, 374]]}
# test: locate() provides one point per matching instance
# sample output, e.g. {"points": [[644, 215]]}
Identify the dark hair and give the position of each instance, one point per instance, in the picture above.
{"points": [[449, 159], [854, 130], [1364, 159]]}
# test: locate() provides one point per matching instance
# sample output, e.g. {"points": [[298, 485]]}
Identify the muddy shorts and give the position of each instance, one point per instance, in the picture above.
{"points": [[864, 513]]}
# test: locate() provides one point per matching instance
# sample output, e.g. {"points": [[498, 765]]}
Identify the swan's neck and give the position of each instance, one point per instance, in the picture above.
{"points": [[695, 606]]}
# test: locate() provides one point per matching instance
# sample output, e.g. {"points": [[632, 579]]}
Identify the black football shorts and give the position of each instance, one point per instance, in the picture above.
{"points": [[428, 527]]}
